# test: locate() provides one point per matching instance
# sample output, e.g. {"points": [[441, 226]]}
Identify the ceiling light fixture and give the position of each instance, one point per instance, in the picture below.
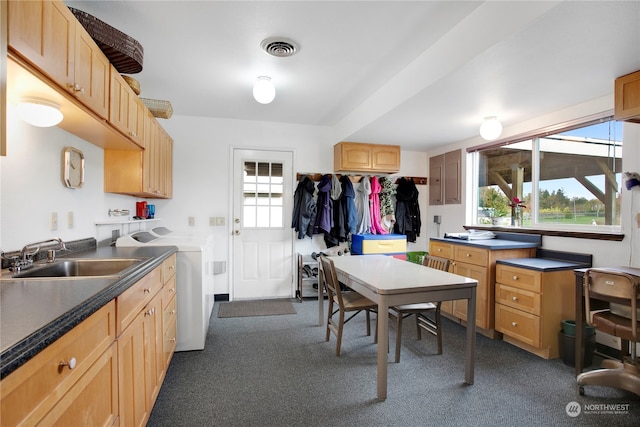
{"points": [[39, 113], [491, 128], [263, 90]]}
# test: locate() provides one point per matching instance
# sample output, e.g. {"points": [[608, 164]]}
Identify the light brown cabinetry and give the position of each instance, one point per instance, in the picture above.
{"points": [[138, 311], [627, 98], [530, 306], [361, 157], [148, 173], [106, 371], [444, 178], [71, 382], [126, 112], [479, 264], [49, 37]]}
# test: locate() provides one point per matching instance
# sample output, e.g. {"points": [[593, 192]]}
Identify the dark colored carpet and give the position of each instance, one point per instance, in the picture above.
{"points": [[255, 308], [279, 371]]}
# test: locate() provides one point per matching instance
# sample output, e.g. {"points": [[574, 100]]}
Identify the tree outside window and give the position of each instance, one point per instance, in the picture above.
{"points": [[576, 173]]}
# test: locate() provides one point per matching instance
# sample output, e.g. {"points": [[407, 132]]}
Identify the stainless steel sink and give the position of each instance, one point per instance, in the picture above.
{"points": [[80, 268]]}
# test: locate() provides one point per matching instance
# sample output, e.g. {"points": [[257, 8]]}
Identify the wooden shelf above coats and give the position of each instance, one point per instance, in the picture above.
{"points": [[356, 178]]}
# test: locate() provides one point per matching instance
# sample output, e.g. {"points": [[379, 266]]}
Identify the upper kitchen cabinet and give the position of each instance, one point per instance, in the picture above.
{"points": [[372, 158], [627, 98], [48, 37], [126, 111], [444, 178], [146, 173]]}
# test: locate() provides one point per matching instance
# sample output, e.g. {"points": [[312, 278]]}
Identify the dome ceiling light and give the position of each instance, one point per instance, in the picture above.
{"points": [[491, 128], [263, 90], [38, 112]]}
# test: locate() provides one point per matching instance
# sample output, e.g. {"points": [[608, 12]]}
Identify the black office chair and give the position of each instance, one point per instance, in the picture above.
{"points": [[618, 288]]}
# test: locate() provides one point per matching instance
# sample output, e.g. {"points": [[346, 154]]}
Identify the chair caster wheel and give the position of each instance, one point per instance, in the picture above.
{"points": [[581, 390]]}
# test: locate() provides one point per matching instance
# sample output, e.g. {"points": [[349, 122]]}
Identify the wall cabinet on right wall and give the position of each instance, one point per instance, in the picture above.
{"points": [[444, 178], [627, 98]]}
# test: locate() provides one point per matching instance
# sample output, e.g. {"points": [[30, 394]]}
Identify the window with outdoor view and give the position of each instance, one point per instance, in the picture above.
{"points": [[571, 178], [262, 195]]}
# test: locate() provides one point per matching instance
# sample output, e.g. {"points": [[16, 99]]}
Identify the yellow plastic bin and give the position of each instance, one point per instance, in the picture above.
{"points": [[416, 257]]}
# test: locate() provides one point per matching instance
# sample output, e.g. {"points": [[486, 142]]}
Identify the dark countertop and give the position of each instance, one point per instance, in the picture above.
{"points": [[541, 264], [36, 312], [491, 244]]}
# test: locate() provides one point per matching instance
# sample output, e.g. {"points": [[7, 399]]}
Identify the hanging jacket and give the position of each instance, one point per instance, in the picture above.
{"points": [[387, 210], [374, 205], [304, 208], [349, 205], [407, 210], [362, 206], [324, 207]]}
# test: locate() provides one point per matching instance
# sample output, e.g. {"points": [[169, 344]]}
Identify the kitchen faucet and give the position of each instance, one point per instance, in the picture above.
{"points": [[25, 259]]}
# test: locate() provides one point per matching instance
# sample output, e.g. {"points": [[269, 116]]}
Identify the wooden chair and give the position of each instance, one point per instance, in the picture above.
{"points": [[421, 310], [624, 289], [345, 302]]}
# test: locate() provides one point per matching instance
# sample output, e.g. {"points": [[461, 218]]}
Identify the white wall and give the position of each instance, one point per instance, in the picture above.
{"points": [[202, 167], [32, 187], [605, 253]]}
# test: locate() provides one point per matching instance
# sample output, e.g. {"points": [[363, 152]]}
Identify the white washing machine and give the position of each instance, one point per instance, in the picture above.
{"points": [[194, 281]]}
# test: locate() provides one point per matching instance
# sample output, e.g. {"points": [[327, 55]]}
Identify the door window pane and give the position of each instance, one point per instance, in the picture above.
{"points": [[262, 195]]}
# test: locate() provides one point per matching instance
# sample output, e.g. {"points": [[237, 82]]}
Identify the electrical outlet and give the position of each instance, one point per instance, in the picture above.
{"points": [[69, 219], [192, 221], [54, 221], [220, 221], [212, 221]]}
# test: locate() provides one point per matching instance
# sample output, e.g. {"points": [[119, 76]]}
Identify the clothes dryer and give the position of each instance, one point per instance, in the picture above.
{"points": [[194, 282]]}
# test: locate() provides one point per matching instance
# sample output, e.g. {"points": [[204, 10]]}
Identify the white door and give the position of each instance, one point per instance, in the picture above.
{"points": [[262, 238]]}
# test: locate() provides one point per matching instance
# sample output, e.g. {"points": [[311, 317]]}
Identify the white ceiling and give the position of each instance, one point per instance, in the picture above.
{"points": [[413, 73]]}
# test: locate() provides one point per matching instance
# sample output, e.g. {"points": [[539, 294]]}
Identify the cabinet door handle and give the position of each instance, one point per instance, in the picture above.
{"points": [[514, 298], [71, 364], [172, 267], [147, 290], [150, 312], [514, 324]]}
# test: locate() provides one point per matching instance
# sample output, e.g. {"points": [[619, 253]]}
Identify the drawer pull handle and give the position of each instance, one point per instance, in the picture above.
{"points": [[468, 255], [514, 298], [439, 250], [71, 364], [515, 277], [514, 324], [147, 290]]}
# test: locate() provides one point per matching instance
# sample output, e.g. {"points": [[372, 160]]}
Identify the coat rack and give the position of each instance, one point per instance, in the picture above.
{"points": [[356, 178]]}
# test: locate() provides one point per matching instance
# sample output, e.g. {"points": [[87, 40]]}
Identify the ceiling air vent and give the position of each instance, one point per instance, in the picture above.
{"points": [[279, 46]]}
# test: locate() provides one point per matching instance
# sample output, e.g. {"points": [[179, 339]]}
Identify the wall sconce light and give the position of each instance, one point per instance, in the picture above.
{"points": [[263, 90], [39, 113], [491, 128]]}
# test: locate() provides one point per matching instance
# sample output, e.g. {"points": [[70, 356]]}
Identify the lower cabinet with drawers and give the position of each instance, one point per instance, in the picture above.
{"points": [[105, 371], [478, 263], [530, 306]]}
